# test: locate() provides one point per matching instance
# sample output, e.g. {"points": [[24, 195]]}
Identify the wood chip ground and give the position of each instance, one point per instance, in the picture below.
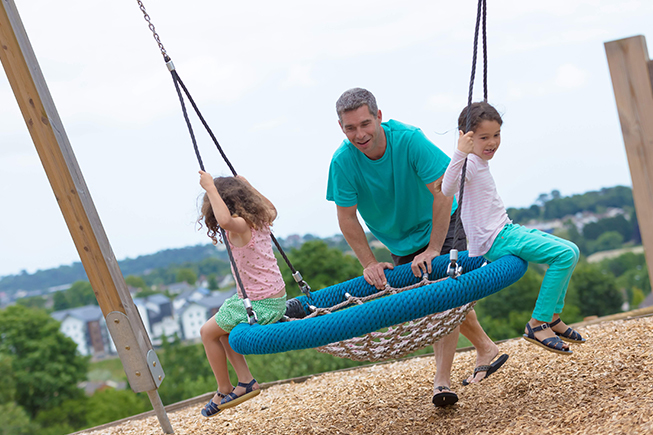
{"points": [[605, 387]]}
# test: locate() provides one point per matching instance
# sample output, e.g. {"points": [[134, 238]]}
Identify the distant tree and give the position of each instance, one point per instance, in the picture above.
{"points": [[45, 363], [81, 294], [136, 282], [636, 278], [188, 372], [637, 298], [524, 215], [542, 199], [15, 421], [213, 266], [520, 296], [213, 282], [187, 275], [147, 292], [619, 224], [67, 417], [382, 254], [607, 241], [111, 405], [33, 302], [595, 291], [623, 263], [636, 237], [60, 301], [7, 381], [320, 266]]}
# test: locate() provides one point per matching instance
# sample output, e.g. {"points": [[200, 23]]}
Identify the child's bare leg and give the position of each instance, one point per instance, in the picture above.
{"points": [[240, 366], [486, 350], [217, 356]]}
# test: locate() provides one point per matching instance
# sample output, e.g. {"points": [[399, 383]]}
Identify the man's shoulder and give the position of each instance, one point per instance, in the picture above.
{"points": [[395, 126], [401, 135]]}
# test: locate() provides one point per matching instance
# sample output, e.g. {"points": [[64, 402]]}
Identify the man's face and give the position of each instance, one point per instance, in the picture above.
{"points": [[364, 131]]}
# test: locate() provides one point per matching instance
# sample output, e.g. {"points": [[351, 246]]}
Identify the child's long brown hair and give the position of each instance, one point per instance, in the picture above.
{"points": [[241, 200]]}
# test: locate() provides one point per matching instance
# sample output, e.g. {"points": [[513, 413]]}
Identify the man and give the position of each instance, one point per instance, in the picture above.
{"points": [[391, 174]]}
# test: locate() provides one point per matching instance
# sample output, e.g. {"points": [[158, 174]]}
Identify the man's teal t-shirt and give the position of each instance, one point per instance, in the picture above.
{"points": [[391, 192]]}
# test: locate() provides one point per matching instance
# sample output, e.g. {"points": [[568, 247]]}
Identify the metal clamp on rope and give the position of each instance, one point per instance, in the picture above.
{"points": [[170, 65], [454, 270], [303, 285], [251, 314]]}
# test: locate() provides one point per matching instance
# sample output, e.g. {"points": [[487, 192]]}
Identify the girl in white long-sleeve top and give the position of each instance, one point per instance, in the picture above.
{"points": [[492, 234]]}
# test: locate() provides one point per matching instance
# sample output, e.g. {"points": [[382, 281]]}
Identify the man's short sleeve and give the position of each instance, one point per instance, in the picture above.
{"points": [[428, 161], [339, 187]]}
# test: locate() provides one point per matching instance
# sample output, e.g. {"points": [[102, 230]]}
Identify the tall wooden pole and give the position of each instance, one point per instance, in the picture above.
{"points": [[141, 365], [632, 80]]}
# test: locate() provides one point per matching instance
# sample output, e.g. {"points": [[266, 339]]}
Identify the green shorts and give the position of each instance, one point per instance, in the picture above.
{"points": [[232, 312]]}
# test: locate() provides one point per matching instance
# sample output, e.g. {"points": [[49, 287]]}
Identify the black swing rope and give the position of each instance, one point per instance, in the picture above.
{"points": [[454, 270], [304, 287]]}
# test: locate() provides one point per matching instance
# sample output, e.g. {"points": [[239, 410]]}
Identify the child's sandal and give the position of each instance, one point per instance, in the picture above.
{"points": [[211, 408], [231, 399], [553, 344], [570, 335]]}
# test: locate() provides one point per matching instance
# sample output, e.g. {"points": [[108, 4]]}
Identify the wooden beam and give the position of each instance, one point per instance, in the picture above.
{"points": [[74, 199], [632, 80]]}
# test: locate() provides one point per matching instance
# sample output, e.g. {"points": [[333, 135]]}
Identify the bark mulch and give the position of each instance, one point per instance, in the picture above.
{"points": [[605, 387]]}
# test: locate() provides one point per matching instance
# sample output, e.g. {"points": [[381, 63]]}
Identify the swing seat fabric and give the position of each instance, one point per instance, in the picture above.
{"points": [[476, 282]]}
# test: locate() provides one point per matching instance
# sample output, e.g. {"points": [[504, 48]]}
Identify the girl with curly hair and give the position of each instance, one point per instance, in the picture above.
{"points": [[231, 203]]}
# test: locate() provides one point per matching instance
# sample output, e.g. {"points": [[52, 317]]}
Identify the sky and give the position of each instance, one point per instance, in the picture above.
{"points": [[266, 76]]}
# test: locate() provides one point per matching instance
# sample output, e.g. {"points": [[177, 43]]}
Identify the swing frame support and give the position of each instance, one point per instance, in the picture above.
{"points": [[632, 80], [134, 347]]}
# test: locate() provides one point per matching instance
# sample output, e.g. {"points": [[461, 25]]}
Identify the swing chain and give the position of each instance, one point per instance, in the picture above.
{"points": [[153, 30]]}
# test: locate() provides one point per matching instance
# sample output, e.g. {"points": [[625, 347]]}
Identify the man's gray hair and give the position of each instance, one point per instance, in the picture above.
{"points": [[354, 98]]}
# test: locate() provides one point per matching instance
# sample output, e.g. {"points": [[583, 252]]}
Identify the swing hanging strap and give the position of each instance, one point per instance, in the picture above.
{"points": [[454, 269], [304, 287]]}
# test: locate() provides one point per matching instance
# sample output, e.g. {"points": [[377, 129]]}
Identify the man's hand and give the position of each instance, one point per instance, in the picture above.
{"points": [[373, 274], [422, 262]]}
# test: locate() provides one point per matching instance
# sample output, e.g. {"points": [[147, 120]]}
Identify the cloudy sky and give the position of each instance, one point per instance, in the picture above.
{"points": [[266, 76]]}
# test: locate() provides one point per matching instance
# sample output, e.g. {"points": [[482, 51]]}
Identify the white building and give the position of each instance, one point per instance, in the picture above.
{"points": [[196, 312], [158, 316], [87, 327]]}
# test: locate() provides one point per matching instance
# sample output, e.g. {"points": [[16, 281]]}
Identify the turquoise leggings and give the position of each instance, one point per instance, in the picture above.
{"points": [[537, 246]]}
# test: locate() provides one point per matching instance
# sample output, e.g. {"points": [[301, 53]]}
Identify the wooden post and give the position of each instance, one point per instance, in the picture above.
{"points": [[74, 199], [632, 80]]}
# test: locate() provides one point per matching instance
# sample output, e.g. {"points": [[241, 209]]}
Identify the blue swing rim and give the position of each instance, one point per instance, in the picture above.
{"points": [[479, 279]]}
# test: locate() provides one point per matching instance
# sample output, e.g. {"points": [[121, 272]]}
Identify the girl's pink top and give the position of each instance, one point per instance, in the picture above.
{"points": [[483, 213], [257, 266]]}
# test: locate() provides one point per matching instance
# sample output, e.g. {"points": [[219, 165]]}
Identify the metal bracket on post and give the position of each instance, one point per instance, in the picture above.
{"points": [[155, 367], [137, 367]]}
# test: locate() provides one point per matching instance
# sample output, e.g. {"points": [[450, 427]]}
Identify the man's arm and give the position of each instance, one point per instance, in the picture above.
{"points": [[355, 236], [439, 227]]}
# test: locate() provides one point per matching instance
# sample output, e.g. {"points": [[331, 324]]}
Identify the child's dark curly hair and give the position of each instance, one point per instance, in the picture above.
{"points": [[241, 200]]}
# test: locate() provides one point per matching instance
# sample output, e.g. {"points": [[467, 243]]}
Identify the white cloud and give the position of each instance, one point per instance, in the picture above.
{"points": [[565, 78], [570, 76], [269, 125], [446, 103], [299, 76]]}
